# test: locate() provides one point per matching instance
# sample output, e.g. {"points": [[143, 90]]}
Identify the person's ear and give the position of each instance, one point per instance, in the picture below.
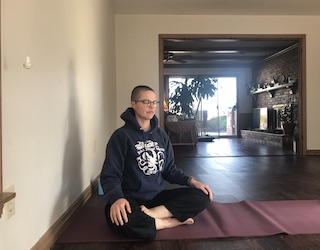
{"points": [[133, 104]]}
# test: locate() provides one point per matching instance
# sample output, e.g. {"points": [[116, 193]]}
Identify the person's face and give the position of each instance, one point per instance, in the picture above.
{"points": [[144, 111]]}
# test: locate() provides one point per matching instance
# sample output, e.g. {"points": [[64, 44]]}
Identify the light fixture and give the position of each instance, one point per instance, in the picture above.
{"points": [[27, 64]]}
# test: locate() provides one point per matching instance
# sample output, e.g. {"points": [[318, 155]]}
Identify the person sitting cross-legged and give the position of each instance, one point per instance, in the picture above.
{"points": [[139, 159]]}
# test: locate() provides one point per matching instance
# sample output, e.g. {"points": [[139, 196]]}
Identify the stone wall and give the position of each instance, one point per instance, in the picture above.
{"points": [[286, 64], [263, 137]]}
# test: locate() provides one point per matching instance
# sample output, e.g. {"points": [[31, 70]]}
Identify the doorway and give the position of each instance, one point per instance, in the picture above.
{"points": [[224, 61]]}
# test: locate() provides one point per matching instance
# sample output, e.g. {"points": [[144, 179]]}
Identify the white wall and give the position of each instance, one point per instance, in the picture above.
{"points": [[58, 115], [138, 58]]}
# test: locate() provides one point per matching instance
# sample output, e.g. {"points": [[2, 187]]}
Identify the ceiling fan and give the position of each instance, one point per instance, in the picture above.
{"points": [[169, 56]]}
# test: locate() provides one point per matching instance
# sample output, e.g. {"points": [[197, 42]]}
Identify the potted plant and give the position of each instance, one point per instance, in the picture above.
{"points": [[251, 87], [183, 99], [286, 115]]}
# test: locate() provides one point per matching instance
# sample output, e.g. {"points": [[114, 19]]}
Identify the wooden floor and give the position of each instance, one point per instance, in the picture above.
{"points": [[239, 170], [231, 147]]}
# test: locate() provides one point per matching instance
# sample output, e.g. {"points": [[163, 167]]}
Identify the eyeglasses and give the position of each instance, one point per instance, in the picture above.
{"points": [[148, 103]]}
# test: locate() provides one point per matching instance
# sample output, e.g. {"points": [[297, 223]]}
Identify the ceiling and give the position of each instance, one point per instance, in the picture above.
{"points": [[209, 52], [218, 7], [221, 52]]}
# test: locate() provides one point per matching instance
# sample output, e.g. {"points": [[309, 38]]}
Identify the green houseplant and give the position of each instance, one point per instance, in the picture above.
{"points": [[251, 87], [286, 116], [194, 89], [286, 113]]}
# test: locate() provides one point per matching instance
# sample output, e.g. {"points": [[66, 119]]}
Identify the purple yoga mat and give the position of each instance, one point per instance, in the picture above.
{"points": [[241, 219]]}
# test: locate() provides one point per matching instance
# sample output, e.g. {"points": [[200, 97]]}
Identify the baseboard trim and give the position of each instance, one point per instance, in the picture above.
{"points": [[52, 234], [313, 152]]}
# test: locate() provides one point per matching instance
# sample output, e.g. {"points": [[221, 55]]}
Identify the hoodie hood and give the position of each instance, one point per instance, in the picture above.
{"points": [[129, 118]]}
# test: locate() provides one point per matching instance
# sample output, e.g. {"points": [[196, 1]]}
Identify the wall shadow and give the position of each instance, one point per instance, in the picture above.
{"points": [[71, 186]]}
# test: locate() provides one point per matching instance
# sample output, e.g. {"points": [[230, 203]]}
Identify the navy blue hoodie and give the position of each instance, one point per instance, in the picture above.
{"points": [[138, 162]]}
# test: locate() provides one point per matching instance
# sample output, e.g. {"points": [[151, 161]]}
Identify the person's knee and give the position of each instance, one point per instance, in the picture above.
{"points": [[201, 194], [201, 198]]}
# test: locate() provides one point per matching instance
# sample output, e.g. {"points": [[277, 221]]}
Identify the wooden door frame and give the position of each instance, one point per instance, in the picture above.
{"points": [[301, 39]]}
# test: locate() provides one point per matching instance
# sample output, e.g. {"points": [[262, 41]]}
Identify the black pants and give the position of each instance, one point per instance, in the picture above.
{"points": [[183, 203]]}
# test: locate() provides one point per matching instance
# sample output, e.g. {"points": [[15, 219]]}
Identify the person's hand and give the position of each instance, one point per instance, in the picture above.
{"points": [[119, 210], [204, 187]]}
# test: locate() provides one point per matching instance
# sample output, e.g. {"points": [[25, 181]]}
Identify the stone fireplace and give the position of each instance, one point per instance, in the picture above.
{"points": [[277, 84], [273, 133]]}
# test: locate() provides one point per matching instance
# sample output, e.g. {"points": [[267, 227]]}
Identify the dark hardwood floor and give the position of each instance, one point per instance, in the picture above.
{"points": [[231, 147], [237, 169]]}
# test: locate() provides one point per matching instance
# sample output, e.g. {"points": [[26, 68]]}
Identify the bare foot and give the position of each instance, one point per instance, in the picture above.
{"points": [[171, 222], [164, 218], [189, 221], [159, 212], [144, 209]]}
